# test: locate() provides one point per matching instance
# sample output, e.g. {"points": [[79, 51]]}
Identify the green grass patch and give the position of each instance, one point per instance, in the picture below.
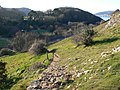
{"points": [[19, 75], [104, 71]]}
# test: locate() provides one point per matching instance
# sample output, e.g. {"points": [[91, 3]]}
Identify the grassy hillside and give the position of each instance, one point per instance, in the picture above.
{"points": [[95, 67], [21, 69], [93, 71]]}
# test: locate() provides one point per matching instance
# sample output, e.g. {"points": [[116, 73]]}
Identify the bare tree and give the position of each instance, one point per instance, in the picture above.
{"points": [[83, 34], [23, 40], [38, 47]]}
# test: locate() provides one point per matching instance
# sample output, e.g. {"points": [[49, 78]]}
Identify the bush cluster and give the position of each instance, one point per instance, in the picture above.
{"points": [[23, 41], [83, 34], [2, 74], [6, 51], [29, 41], [38, 47]]}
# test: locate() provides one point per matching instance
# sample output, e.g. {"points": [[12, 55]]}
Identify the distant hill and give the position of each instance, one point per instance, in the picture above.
{"points": [[25, 19], [67, 14], [59, 17], [24, 10], [104, 15], [11, 14], [9, 19], [76, 15]]}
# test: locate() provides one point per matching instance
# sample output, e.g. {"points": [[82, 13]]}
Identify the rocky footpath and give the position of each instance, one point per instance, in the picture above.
{"points": [[57, 77], [54, 77]]}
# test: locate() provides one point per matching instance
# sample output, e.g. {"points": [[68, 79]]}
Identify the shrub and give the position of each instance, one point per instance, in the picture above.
{"points": [[84, 35], [6, 51], [38, 47], [23, 40], [2, 74]]}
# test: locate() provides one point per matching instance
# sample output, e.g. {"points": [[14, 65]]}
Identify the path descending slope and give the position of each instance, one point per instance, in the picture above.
{"points": [[53, 78]]}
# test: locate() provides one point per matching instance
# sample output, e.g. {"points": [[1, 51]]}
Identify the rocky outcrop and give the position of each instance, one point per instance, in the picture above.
{"points": [[115, 19], [114, 50]]}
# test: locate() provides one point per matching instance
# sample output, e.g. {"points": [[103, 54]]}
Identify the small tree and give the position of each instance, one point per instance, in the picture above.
{"points": [[2, 74], [23, 40], [38, 47], [83, 35]]}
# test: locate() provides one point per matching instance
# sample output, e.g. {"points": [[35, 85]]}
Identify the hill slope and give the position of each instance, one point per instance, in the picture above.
{"points": [[22, 68], [75, 15], [96, 67]]}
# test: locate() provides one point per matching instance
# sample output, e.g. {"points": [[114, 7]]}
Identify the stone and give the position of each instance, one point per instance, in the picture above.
{"points": [[89, 59], [55, 89], [109, 67], [95, 61], [35, 83], [68, 87], [87, 71], [52, 79], [79, 74], [104, 54], [117, 49], [91, 62]]}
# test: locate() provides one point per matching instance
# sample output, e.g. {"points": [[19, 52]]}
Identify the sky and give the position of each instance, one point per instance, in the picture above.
{"points": [[92, 6]]}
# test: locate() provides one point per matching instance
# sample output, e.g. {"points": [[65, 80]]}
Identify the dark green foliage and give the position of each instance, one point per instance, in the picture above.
{"points": [[13, 20], [6, 51], [2, 74], [38, 47], [4, 42], [10, 14], [9, 20], [51, 19], [23, 40], [83, 34], [68, 14]]}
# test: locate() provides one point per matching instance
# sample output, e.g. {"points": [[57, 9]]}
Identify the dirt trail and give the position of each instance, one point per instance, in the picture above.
{"points": [[52, 78], [54, 64], [56, 57]]}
